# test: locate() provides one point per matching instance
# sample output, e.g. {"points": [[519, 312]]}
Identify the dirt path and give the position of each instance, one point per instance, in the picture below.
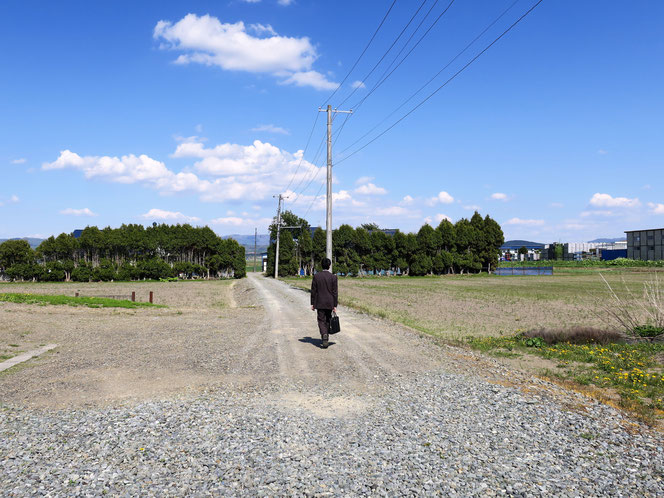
{"points": [[366, 351]]}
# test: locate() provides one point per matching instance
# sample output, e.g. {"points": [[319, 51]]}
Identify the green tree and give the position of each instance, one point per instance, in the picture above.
{"points": [[14, 252], [306, 247]]}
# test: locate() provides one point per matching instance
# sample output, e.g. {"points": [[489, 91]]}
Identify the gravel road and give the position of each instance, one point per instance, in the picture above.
{"points": [[382, 412]]}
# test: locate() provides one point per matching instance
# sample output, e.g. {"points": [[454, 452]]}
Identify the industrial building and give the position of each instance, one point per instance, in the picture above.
{"points": [[645, 244]]}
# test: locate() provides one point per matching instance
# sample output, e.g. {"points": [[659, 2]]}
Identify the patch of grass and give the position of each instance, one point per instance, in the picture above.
{"points": [[630, 369], [90, 302]]}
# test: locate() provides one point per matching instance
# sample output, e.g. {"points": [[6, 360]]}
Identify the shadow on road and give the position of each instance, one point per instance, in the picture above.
{"points": [[315, 342]]}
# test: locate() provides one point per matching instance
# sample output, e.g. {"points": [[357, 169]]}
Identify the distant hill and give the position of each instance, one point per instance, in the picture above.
{"points": [[34, 243], [608, 241], [517, 244], [247, 241]]}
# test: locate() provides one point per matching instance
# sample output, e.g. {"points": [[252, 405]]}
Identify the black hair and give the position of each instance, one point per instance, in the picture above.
{"points": [[326, 263]]}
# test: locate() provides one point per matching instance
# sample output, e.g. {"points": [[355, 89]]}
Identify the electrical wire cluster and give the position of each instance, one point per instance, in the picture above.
{"points": [[391, 64]]}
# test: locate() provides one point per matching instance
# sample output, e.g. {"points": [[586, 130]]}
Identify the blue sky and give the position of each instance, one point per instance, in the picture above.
{"points": [[135, 112]]}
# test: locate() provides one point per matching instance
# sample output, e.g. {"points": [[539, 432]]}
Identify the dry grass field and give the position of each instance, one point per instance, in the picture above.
{"points": [[453, 307]]}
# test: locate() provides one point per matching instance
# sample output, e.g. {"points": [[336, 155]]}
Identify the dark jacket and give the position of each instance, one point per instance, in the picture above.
{"points": [[324, 291]]}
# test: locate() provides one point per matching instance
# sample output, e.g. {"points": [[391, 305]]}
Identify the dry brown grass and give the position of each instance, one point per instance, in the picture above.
{"points": [[576, 335], [453, 307], [629, 309]]}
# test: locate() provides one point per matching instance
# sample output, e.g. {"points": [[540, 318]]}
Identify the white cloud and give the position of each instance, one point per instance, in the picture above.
{"points": [[78, 212], [285, 3], [270, 128], [656, 208], [263, 29], [602, 152], [21, 160], [160, 214], [12, 200], [499, 196], [370, 189], [557, 205], [407, 200], [442, 197], [598, 212], [358, 84], [206, 40], [472, 207], [605, 200], [249, 172], [310, 78], [437, 219], [198, 128], [519, 221], [392, 211], [363, 179], [236, 221]]}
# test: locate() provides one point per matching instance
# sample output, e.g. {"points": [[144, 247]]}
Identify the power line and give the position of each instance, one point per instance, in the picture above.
{"points": [[387, 51], [459, 54], [443, 85], [304, 152], [383, 79], [314, 176], [306, 176], [313, 200], [362, 54], [315, 159]]}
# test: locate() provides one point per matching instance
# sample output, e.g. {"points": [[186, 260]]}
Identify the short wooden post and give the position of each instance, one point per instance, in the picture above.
{"points": [[76, 295], [150, 297], [133, 296]]}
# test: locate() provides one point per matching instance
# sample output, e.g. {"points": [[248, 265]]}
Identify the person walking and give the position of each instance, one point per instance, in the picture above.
{"points": [[324, 298]]}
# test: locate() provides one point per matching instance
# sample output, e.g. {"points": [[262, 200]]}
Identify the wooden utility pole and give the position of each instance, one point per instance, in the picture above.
{"points": [[255, 240]]}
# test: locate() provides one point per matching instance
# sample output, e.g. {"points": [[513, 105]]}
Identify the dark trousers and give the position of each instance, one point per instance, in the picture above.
{"points": [[324, 318]]}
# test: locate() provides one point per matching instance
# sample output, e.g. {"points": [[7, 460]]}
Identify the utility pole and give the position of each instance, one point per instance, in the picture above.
{"points": [[255, 239], [328, 221], [276, 253]]}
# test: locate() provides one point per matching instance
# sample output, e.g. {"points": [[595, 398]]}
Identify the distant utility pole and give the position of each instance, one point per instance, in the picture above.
{"points": [[328, 222], [255, 239], [276, 253]]}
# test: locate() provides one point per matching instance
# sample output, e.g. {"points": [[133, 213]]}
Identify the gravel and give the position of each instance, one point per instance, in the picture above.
{"points": [[438, 433]]}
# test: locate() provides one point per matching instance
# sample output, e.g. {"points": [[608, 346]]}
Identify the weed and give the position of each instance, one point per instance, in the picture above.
{"points": [[648, 331], [631, 311]]}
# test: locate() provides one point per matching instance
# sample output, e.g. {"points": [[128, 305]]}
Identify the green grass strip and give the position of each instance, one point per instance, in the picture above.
{"points": [[90, 302]]}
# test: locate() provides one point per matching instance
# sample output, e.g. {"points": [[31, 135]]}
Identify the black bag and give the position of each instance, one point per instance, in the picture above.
{"points": [[335, 327]]}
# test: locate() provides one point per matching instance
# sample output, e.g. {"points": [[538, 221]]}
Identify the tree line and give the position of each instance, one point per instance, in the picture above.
{"points": [[467, 246], [131, 252]]}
